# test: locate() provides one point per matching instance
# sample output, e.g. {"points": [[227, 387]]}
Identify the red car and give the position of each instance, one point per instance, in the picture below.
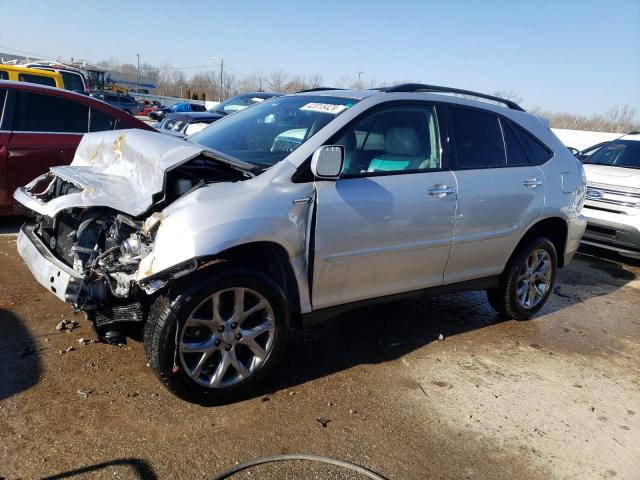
{"points": [[41, 127]]}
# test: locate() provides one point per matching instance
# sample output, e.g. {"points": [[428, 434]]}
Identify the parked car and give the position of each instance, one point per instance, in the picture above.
{"points": [[126, 103], [149, 107], [298, 208], [159, 113], [18, 73], [73, 78], [612, 205], [587, 152], [188, 123], [41, 127]]}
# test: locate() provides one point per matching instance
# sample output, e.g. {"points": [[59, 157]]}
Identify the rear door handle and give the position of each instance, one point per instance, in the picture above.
{"points": [[532, 182], [440, 190]]}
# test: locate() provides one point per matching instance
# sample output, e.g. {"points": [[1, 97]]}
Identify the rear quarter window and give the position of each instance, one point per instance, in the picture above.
{"points": [[4, 75], [535, 150], [101, 121], [39, 79]]}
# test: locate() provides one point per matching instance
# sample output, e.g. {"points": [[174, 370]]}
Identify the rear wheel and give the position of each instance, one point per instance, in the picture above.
{"points": [[527, 281], [221, 339]]}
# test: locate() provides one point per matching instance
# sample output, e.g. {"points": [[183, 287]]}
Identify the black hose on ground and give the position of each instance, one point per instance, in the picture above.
{"points": [[299, 456]]}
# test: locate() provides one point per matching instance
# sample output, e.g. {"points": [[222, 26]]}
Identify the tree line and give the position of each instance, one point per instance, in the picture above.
{"points": [[205, 85]]}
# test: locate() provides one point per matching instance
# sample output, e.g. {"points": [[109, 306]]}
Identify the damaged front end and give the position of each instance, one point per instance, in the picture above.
{"points": [[92, 240]]}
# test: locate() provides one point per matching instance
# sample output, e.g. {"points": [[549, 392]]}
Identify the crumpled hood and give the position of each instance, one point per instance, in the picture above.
{"points": [[624, 177], [120, 169]]}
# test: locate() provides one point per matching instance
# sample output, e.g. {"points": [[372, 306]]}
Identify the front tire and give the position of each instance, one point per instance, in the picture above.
{"points": [[527, 281], [220, 338]]}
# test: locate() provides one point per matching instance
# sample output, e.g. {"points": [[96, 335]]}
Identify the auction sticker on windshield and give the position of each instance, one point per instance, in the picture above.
{"points": [[324, 108]]}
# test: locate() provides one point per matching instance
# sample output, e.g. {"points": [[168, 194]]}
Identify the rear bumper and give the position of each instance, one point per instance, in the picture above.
{"points": [[64, 282]]}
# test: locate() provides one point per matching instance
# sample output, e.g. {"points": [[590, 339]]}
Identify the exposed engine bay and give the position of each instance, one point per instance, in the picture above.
{"points": [[106, 246]]}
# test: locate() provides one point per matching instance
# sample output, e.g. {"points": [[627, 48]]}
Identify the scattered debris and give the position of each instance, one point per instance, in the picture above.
{"points": [[265, 399], [441, 337], [331, 404], [83, 393], [85, 341], [291, 394], [70, 349], [558, 291], [323, 421], [352, 411], [66, 325], [535, 345], [577, 385]]}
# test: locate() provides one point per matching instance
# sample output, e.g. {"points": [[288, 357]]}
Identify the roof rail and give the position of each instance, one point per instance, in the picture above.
{"points": [[419, 87], [319, 89]]}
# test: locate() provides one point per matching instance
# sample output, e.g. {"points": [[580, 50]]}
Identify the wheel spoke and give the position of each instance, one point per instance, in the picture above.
{"points": [[221, 371], [199, 322], [217, 317], [238, 308], [195, 347], [237, 364], [255, 348], [258, 329], [197, 370], [261, 305]]}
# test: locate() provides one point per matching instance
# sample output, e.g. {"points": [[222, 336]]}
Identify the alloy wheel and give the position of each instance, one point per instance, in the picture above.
{"points": [[227, 337], [534, 278]]}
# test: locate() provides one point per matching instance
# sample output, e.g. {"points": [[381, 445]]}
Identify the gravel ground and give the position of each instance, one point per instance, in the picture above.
{"points": [[556, 397]]}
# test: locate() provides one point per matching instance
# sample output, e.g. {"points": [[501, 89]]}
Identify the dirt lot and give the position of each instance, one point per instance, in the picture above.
{"points": [[557, 397]]}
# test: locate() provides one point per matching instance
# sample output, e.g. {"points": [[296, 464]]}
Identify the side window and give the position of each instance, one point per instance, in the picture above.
{"points": [[101, 121], [39, 79], [516, 155], [537, 153], [396, 139], [478, 139], [37, 112], [4, 75]]}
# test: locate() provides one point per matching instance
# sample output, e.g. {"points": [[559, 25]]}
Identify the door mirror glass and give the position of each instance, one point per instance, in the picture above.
{"points": [[326, 162]]}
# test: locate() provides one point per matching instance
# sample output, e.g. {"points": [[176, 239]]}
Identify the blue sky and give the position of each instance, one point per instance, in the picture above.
{"points": [[575, 56]]}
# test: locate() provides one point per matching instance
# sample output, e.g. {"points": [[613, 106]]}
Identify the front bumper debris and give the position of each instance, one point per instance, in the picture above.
{"points": [[64, 282]]}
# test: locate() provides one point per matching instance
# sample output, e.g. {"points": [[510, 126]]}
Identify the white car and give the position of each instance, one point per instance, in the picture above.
{"points": [[296, 209], [612, 205]]}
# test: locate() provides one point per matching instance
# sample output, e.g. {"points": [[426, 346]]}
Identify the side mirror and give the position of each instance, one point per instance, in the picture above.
{"points": [[326, 162]]}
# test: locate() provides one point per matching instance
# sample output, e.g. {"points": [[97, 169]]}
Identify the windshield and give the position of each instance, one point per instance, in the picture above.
{"points": [[269, 131], [619, 153], [239, 102]]}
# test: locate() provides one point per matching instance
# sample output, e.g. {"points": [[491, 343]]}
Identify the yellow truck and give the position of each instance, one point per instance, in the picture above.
{"points": [[25, 74]]}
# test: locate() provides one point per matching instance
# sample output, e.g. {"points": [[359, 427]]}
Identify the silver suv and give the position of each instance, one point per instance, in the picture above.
{"points": [[295, 209]]}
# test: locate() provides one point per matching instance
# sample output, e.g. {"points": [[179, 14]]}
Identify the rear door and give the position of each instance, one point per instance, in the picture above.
{"points": [[386, 226], [500, 192], [46, 132]]}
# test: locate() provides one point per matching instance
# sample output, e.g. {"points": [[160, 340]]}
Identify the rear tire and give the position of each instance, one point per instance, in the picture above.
{"points": [[527, 280], [227, 348]]}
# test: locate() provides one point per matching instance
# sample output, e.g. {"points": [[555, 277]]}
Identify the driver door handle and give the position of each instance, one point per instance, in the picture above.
{"points": [[440, 190], [532, 182]]}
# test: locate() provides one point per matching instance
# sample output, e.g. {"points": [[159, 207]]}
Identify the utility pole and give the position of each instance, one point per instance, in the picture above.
{"points": [[221, 67], [138, 76], [359, 79]]}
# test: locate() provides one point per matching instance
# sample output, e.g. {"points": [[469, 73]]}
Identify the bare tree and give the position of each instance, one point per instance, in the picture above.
{"points": [[277, 80]]}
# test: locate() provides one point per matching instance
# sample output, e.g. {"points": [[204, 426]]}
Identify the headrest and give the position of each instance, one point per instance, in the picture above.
{"points": [[348, 140], [402, 141]]}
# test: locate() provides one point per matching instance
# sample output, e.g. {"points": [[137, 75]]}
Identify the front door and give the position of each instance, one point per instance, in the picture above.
{"points": [[386, 226]]}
